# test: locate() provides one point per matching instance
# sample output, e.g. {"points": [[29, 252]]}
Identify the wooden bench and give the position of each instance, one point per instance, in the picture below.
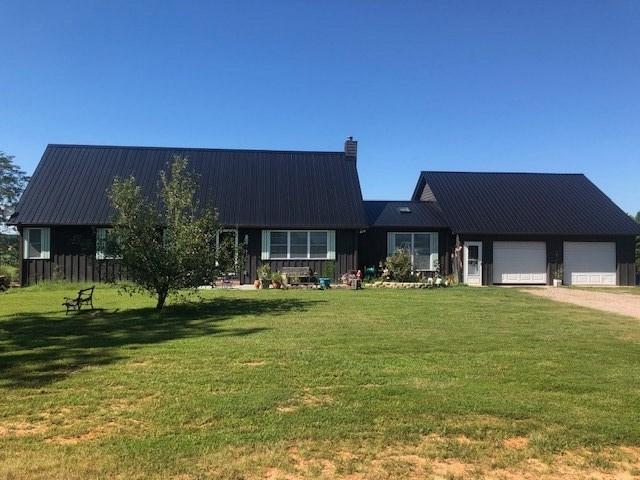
{"points": [[295, 275], [85, 297]]}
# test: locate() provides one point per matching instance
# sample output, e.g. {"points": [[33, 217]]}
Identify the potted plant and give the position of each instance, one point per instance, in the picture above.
{"points": [[557, 277], [264, 275], [276, 279], [329, 272]]}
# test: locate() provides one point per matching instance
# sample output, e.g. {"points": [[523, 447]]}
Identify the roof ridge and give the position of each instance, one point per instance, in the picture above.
{"points": [[394, 201], [466, 172], [205, 149]]}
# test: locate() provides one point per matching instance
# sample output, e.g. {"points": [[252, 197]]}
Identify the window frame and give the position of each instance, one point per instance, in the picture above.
{"points": [[330, 244], [45, 243], [433, 248]]}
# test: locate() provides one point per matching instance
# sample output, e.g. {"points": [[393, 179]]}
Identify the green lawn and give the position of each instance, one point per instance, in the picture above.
{"points": [[313, 384]]}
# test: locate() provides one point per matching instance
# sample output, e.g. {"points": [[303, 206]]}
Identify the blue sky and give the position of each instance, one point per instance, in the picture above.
{"points": [[517, 86]]}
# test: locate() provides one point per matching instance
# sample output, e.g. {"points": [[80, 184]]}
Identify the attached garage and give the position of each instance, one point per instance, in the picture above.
{"points": [[589, 263], [520, 262]]}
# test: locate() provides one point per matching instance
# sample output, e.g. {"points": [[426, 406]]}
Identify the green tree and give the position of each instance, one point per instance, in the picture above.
{"points": [[12, 183], [638, 245], [168, 243]]}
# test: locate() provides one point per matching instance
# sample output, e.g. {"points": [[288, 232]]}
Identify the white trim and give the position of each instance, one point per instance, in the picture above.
{"points": [[45, 243], [266, 245], [475, 279], [331, 245], [433, 247]]}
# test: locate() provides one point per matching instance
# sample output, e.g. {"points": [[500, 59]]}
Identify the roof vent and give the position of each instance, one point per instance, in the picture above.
{"points": [[404, 209], [351, 148]]}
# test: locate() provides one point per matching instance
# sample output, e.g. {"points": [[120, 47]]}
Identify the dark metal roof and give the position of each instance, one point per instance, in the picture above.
{"points": [[251, 188], [384, 213], [525, 203]]}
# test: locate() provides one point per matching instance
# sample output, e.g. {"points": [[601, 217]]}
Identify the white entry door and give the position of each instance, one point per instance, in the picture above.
{"points": [[589, 263], [520, 262], [473, 263]]}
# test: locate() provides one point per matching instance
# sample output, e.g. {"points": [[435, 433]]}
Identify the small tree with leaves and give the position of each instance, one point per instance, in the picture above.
{"points": [[399, 265], [638, 246], [12, 182], [165, 244]]}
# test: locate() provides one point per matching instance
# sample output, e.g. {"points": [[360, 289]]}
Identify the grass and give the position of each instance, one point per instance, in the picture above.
{"points": [[370, 384]]}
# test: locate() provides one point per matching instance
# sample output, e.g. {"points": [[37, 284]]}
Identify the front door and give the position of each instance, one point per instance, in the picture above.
{"points": [[473, 263]]}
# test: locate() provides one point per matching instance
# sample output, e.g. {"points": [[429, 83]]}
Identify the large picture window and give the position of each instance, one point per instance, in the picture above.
{"points": [[36, 243], [298, 244], [422, 246]]}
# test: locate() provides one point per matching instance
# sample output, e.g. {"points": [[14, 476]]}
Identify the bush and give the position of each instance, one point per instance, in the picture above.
{"points": [[399, 266], [10, 272], [8, 250]]}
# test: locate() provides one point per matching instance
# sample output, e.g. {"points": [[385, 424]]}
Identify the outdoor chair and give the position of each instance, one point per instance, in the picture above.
{"points": [[84, 297]]}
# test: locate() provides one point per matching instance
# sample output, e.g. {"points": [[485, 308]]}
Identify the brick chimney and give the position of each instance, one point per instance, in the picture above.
{"points": [[351, 149]]}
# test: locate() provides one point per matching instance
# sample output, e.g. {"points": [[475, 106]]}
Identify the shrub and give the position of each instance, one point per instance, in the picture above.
{"points": [[264, 272], [10, 272], [329, 270], [399, 266]]}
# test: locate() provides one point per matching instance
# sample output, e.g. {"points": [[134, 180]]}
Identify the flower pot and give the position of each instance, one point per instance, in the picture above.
{"points": [[557, 282], [264, 283], [256, 284], [324, 282], [277, 284]]}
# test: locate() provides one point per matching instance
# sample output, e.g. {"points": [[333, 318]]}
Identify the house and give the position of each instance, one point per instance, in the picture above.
{"points": [[303, 208]]}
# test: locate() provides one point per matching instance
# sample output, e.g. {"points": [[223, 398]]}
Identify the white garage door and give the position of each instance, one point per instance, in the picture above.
{"points": [[520, 262], [589, 263]]}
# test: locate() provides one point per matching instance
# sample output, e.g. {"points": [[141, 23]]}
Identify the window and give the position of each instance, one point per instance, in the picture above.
{"points": [[298, 244], [422, 246], [36, 243], [472, 260], [106, 244], [279, 245], [318, 247]]}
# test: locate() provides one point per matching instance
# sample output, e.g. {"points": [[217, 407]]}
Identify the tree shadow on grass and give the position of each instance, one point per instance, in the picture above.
{"points": [[40, 348]]}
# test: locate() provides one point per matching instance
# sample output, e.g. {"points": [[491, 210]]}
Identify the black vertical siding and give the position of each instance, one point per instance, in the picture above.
{"points": [[487, 261], [625, 259], [372, 246], [73, 255], [346, 254], [72, 258], [625, 253], [445, 243], [555, 258]]}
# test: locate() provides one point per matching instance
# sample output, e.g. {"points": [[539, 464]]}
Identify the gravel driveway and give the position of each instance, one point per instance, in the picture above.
{"points": [[621, 303]]}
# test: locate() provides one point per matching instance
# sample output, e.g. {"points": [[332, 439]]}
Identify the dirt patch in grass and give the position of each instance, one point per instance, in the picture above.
{"points": [[92, 434], [307, 399], [413, 462], [316, 400], [516, 442], [21, 429]]}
